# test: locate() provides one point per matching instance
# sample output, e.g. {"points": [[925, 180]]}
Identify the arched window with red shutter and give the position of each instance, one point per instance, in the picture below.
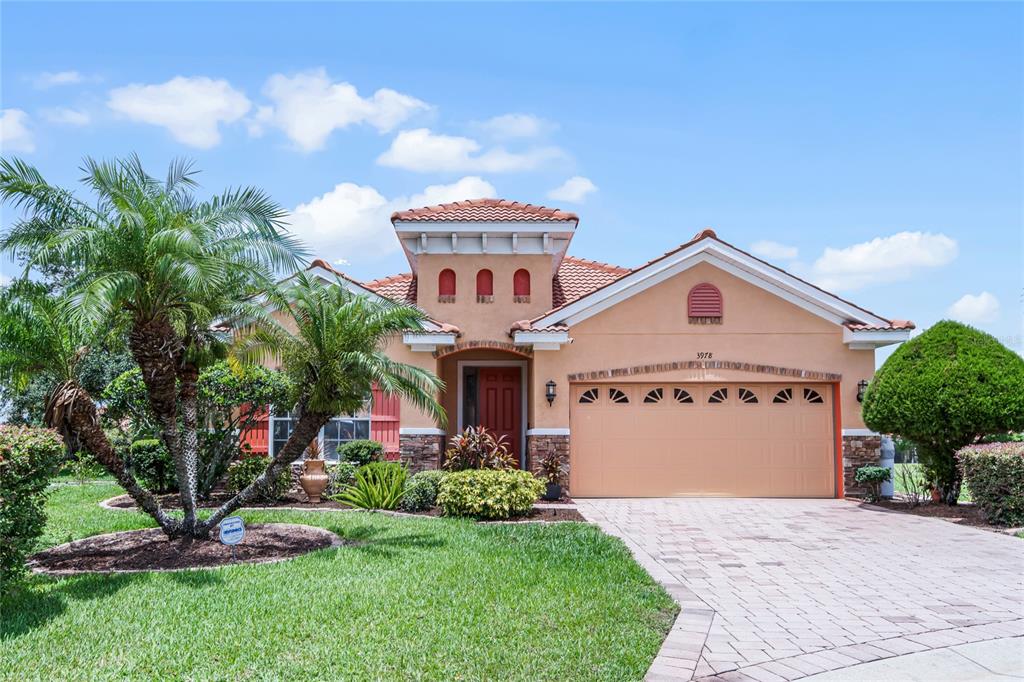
{"points": [[446, 286], [704, 304], [485, 286], [521, 286]]}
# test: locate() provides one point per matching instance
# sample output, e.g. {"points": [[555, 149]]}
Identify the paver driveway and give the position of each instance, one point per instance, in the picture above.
{"points": [[781, 589]]}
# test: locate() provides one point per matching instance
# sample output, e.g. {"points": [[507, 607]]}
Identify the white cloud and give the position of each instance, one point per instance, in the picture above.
{"points": [[192, 109], [353, 222], [515, 125], [774, 250], [573, 190], [422, 151], [883, 259], [49, 80], [15, 135], [975, 309], [308, 107], [66, 116]]}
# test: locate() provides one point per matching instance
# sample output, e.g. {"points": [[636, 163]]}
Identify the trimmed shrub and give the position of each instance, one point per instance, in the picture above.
{"points": [[421, 491], [994, 475], [340, 475], [28, 458], [378, 485], [361, 452], [873, 477], [151, 464], [944, 390], [244, 471], [477, 448], [489, 493]]}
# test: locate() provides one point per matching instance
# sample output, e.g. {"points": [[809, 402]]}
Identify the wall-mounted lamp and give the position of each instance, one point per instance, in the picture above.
{"points": [[862, 386], [549, 393]]}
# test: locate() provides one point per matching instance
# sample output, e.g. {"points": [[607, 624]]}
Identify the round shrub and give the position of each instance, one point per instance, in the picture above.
{"points": [[944, 390], [489, 493], [994, 475], [152, 465], [244, 471], [421, 491], [28, 458], [361, 452]]}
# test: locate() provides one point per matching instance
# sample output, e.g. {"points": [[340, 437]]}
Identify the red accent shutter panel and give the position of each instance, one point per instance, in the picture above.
{"points": [[485, 283], [257, 436], [446, 283], [521, 283], [384, 421], [704, 300]]}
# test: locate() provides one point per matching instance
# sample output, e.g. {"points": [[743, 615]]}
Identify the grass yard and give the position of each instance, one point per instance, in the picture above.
{"points": [[419, 599]]}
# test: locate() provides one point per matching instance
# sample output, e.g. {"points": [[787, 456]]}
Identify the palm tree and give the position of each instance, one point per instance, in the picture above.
{"points": [[333, 357], [40, 337], [149, 251]]}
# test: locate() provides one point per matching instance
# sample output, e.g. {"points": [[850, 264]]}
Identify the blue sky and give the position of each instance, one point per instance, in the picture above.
{"points": [[876, 148]]}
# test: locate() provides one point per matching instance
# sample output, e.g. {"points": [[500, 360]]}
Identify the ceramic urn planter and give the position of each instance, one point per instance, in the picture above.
{"points": [[313, 479]]}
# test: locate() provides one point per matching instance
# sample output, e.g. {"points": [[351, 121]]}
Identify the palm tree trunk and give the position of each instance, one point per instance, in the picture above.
{"points": [[157, 349], [306, 429], [83, 420], [189, 393]]}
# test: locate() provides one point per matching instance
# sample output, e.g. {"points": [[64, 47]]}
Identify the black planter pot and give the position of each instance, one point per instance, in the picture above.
{"points": [[553, 492]]}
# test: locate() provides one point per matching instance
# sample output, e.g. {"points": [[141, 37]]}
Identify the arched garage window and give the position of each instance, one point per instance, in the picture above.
{"points": [[485, 286], [446, 286], [521, 286], [704, 304]]}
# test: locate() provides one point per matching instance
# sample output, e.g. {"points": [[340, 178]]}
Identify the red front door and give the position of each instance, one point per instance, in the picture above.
{"points": [[500, 404]]}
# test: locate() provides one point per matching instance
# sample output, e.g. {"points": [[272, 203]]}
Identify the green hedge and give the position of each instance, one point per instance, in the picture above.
{"points": [[421, 491], [152, 465], [489, 493], [361, 452], [994, 475], [244, 471], [28, 458]]}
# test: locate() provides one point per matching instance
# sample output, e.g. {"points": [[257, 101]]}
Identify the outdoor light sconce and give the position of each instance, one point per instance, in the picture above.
{"points": [[862, 386], [549, 393]]}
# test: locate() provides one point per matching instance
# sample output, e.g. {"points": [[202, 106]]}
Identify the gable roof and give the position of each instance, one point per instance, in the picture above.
{"points": [[484, 211], [577, 277], [401, 287], [707, 247]]}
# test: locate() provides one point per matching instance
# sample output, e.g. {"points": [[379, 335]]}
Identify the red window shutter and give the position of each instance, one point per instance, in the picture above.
{"points": [[257, 436], [485, 283], [446, 283], [521, 283], [384, 421], [704, 301]]}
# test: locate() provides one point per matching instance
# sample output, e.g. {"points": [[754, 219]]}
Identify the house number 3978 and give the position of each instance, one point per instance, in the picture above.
{"points": [[704, 355]]}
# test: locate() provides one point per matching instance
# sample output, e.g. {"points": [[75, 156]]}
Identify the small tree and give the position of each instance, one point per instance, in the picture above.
{"points": [[946, 389]]}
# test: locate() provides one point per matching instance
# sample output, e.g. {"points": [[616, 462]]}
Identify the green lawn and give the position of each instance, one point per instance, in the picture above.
{"points": [[419, 599]]}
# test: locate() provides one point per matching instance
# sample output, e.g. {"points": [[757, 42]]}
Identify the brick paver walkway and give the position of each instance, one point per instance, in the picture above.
{"points": [[781, 589]]}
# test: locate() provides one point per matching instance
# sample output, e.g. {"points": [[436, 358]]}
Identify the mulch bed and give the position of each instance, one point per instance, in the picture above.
{"points": [[962, 514], [218, 497], [560, 513], [151, 550]]}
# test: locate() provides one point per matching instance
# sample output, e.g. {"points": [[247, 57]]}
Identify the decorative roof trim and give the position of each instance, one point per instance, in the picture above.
{"points": [[802, 374], [482, 344]]}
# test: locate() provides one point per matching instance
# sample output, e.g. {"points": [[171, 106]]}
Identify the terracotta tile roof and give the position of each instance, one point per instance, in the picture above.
{"points": [[577, 277], [893, 325], [396, 287], [485, 210]]}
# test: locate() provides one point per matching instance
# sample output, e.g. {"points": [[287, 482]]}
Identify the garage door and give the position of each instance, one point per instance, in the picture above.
{"points": [[728, 439]]}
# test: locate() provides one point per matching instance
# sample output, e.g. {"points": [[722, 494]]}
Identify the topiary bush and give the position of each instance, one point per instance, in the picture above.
{"points": [[28, 458], [421, 491], [361, 452], [489, 493], [994, 475], [149, 461], [873, 477], [378, 485], [244, 471], [943, 390]]}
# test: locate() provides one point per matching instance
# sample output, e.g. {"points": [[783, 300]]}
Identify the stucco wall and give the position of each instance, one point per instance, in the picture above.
{"points": [[484, 320], [653, 327]]}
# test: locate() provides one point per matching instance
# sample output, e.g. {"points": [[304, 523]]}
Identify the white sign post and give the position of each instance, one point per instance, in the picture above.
{"points": [[232, 530]]}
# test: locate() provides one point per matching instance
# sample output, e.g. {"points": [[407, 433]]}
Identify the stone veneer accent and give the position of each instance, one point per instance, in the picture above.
{"points": [[420, 452], [859, 451], [809, 374], [539, 447]]}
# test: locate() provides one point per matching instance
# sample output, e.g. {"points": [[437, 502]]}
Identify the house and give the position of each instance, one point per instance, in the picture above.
{"points": [[705, 371]]}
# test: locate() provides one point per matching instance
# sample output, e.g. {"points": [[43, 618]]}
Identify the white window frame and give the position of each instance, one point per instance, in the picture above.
{"points": [[363, 416]]}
